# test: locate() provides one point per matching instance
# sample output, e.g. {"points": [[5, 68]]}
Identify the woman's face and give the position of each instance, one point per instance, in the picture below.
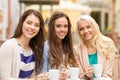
{"points": [[61, 27], [85, 30], [31, 26]]}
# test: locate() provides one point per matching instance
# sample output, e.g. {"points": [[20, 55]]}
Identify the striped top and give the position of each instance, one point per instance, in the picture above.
{"points": [[27, 63]]}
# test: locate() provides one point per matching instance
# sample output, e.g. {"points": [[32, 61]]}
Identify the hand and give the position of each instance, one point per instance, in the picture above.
{"points": [[63, 75], [42, 76], [89, 71]]}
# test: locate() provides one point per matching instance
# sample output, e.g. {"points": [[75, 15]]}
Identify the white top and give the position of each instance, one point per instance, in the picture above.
{"points": [[10, 60]]}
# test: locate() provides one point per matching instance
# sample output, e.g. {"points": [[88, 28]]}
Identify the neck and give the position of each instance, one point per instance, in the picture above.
{"points": [[89, 44], [91, 49], [23, 42]]}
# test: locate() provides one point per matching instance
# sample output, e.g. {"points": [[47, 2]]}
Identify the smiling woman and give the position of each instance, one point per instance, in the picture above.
{"points": [[61, 27], [58, 49], [22, 55], [94, 48], [31, 26]]}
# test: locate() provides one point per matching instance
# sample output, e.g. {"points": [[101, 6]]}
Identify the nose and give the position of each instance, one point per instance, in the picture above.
{"points": [[32, 26], [62, 28], [85, 30]]}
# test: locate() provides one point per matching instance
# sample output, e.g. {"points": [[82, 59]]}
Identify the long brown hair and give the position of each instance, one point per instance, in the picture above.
{"points": [[37, 42], [54, 51]]}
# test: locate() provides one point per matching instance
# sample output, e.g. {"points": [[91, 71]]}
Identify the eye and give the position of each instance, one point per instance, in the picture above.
{"points": [[80, 29], [37, 25], [88, 26], [29, 22], [58, 26], [66, 26]]}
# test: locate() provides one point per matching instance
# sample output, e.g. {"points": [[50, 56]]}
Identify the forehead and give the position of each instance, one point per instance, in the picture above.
{"points": [[61, 20], [32, 17], [83, 22]]}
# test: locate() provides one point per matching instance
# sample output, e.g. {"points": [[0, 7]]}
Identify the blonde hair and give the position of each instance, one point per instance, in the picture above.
{"points": [[101, 42]]}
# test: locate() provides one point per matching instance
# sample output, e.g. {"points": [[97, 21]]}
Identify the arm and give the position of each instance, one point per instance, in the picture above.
{"points": [[86, 70], [7, 68], [108, 68], [77, 57], [6, 60]]}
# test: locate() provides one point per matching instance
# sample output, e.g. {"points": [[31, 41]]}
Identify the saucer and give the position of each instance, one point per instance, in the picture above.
{"points": [[69, 79], [102, 78]]}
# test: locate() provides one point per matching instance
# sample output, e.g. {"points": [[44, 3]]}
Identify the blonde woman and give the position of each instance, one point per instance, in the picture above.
{"points": [[94, 48]]}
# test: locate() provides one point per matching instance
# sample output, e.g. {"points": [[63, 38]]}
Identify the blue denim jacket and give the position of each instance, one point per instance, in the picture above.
{"points": [[45, 66]]}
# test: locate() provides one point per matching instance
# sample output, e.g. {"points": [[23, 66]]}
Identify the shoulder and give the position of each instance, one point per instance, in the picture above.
{"points": [[8, 47], [107, 40], [46, 45], [110, 45], [77, 47], [46, 48], [9, 43]]}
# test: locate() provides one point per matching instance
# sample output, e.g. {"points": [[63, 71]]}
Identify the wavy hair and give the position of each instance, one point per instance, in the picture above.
{"points": [[54, 51], [37, 42], [101, 42]]}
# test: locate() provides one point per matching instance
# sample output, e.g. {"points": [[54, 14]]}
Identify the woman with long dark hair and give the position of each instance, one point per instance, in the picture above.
{"points": [[58, 49], [22, 56]]}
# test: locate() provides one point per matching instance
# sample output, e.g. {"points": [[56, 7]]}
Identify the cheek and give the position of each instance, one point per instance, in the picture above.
{"points": [[38, 30], [67, 30], [24, 26], [80, 33], [91, 29], [92, 32], [23, 29], [56, 30]]}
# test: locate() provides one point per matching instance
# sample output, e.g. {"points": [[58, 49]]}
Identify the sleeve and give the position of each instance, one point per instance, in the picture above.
{"points": [[108, 70], [45, 66], [6, 54], [77, 58]]}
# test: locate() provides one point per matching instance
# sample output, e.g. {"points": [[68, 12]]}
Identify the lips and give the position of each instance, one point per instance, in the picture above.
{"points": [[62, 34], [86, 35], [30, 32]]}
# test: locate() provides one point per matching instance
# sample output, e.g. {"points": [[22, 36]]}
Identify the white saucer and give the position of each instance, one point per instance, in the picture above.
{"points": [[69, 79], [102, 78]]}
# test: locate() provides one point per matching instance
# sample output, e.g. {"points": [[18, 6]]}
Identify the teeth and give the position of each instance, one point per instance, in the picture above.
{"points": [[62, 33], [30, 32], [86, 35]]}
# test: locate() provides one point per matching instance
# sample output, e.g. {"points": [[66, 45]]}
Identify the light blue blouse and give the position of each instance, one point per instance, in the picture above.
{"points": [[45, 66]]}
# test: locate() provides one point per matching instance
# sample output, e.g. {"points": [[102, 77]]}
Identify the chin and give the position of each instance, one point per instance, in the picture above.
{"points": [[30, 37], [61, 37]]}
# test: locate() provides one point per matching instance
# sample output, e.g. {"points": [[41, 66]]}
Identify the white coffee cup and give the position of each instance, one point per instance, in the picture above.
{"points": [[54, 74], [97, 69], [74, 73]]}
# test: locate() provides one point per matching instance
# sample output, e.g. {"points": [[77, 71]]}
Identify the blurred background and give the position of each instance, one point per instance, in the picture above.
{"points": [[105, 12]]}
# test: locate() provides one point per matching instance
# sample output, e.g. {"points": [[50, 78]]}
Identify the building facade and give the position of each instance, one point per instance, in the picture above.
{"points": [[101, 12], [117, 16]]}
